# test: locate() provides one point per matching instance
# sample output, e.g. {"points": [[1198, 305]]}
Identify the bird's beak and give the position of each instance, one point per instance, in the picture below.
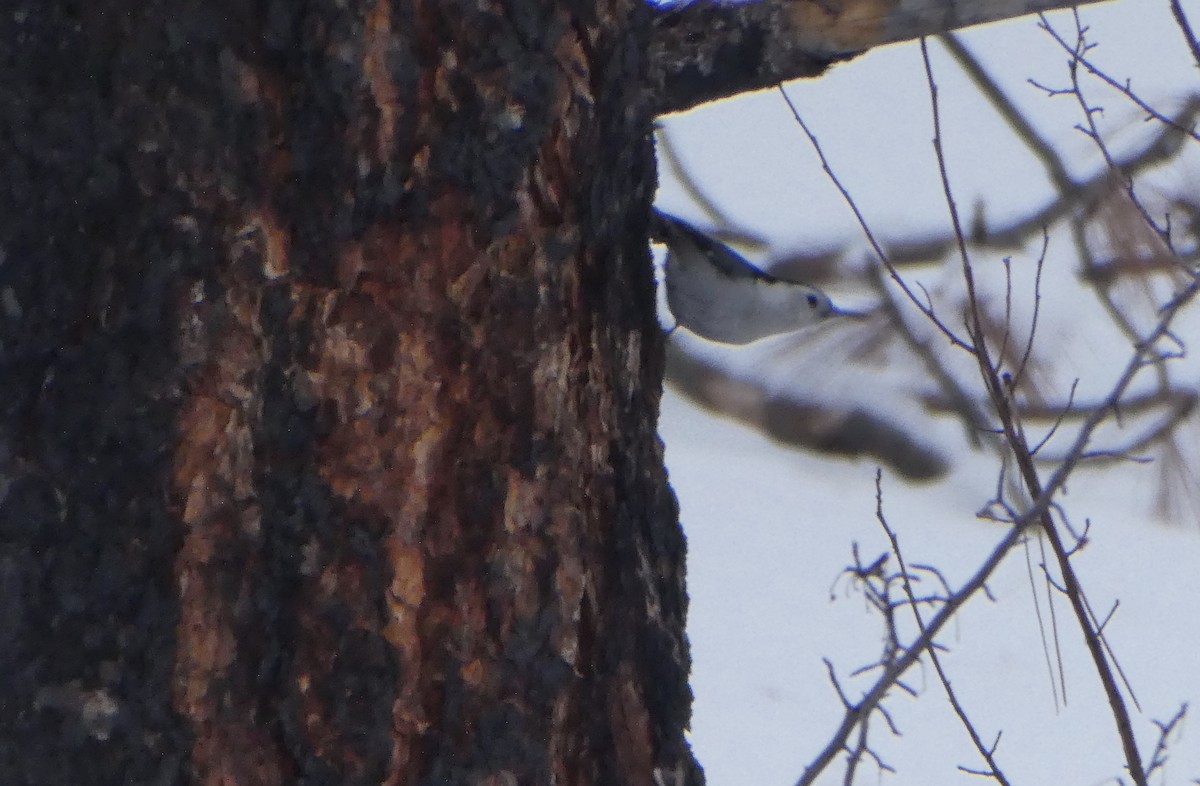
{"points": [[852, 314]]}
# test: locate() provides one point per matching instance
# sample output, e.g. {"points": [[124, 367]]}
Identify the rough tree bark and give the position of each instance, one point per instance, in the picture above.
{"points": [[330, 374]]}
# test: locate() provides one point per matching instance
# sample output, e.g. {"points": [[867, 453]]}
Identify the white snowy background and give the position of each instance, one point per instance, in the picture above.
{"points": [[769, 528]]}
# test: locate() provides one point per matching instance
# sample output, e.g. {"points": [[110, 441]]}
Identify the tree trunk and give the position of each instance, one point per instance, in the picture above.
{"points": [[329, 376]]}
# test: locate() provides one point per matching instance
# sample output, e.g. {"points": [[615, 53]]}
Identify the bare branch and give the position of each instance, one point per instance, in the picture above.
{"points": [[1034, 515], [988, 753], [1026, 465], [792, 420], [705, 50]]}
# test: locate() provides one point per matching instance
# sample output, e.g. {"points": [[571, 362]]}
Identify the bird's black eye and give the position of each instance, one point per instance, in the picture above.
{"points": [[813, 300]]}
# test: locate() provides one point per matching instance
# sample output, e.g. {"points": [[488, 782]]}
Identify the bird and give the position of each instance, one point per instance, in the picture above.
{"points": [[716, 293]]}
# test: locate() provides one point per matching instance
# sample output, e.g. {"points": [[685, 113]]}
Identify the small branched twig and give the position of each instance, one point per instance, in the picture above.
{"points": [[1158, 759], [1042, 493], [1016, 440], [1077, 55], [986, 751], [1033, 515], [879, 586], [1099, 208], [1089, 114], [861, 747], [1101, 276], [1014, 436]]}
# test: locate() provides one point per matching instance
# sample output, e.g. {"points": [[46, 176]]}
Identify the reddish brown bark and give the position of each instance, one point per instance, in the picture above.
{"points": [[349, 381]]}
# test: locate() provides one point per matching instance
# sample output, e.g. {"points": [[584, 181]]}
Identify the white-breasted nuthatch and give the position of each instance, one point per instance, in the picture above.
{"points": [[716, 293]]}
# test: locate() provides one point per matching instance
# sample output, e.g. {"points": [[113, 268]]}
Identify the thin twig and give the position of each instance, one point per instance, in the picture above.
{"points": [[1033, 515], [973, 419], [1024, 459], [1054, 637], [1016, 120], [1158, 758], [1186, 29], [1124, 89], [1019, 374], [988, 753], [1041, 626], [924, 308]]}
